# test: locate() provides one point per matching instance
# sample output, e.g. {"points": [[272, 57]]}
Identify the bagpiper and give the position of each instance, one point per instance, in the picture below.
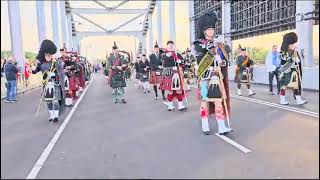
{"points": [[187, 69], [53, 78], [156, 70], [172, 79], [66, 63], [137, 71], [244, 65], [290, 75], [212, 75], [117, 65], [144, 73]]}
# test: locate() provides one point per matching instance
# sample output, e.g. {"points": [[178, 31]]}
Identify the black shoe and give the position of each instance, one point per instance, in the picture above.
{"points": [[124, 101], [225, 133], [50, 119], [206, 132], [116, 101], [252, 94], [183, 109], [55, 119]]}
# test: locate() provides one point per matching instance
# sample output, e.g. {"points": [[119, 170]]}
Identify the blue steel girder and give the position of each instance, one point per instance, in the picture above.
{"points": [[110, 10]]}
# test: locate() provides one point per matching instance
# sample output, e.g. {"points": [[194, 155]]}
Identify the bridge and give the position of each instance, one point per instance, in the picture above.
{"points": [[141, 139]]}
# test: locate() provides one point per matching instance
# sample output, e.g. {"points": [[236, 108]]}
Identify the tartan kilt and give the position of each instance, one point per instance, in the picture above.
{"points": [[154, 79], [77, 81], [166, 81], [82, 81], [142, 79], [72, 83], [137, 75]]}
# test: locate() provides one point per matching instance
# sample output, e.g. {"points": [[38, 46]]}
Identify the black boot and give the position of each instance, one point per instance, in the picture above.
{"points": [[163, 96], [55, 119]]}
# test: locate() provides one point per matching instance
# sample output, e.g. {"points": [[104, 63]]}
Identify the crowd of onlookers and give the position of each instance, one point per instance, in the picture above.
{"points": [[13, 75]]}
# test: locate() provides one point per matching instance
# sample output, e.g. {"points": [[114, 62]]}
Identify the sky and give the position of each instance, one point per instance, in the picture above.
{"points": [[98, 46]]}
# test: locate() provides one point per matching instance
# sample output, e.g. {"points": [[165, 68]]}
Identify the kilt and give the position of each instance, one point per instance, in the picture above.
{"points": [[146, 78], [137, 75], [239, 76], [72, 83], [154, 79], [82, 81], [166, 81], [117, 80], [286, 79], [57, 93], [77, 81]]}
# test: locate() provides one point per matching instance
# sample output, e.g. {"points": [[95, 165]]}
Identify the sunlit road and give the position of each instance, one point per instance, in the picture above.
{"points": [[142, 139]]}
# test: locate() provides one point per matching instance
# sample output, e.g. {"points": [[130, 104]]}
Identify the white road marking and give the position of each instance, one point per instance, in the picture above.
{"points": [[301, 111], [43, 157], [235, 144], [289, 108]]}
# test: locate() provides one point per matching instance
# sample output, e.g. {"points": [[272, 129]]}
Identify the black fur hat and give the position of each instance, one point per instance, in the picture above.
{"points": [[47, 46], [289, 38], [205, 21], [156, 45], [170, 42], [114, 45]]}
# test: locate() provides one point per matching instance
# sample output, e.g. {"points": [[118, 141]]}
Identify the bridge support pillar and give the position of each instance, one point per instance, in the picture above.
{"points": [[226, 24], [305, 32], [41, 21], [63, 18], [55, 25], [15, 33], [69, 28], [159, 24], [150, 33], [172, 19], [191, 21]]}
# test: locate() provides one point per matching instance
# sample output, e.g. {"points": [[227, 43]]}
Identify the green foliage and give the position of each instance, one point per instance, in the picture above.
{"points": [[5, 54], [258, 55], [28, 55]]}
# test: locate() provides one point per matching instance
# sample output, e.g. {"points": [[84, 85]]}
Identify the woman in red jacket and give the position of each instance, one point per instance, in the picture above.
{"points": [[27, 73]]}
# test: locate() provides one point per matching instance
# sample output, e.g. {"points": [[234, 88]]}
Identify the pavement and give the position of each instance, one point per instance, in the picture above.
{"points": [[35, 81], [141, 139]]}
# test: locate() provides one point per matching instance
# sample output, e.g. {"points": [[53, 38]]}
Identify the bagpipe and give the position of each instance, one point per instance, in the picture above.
{"points": [[125, 53], [123, 66]]}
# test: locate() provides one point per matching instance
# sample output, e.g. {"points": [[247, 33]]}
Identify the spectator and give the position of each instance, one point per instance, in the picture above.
{"points": [[11, 70], [27, 72], [272, 66], [3, 62]]}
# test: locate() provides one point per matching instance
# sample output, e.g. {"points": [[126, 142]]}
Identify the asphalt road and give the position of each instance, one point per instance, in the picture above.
{"points": [[142, 139]]}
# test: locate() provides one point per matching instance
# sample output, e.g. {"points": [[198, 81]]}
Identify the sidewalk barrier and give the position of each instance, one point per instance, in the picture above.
{"points": [[35, 81], [310, 76]]}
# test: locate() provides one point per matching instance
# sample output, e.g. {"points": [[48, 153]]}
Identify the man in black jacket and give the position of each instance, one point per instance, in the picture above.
{"points": [[10, 71], [156, 70]]}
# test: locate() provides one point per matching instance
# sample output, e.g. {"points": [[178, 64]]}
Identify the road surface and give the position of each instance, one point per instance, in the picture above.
{"points": [[142, 139]]}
